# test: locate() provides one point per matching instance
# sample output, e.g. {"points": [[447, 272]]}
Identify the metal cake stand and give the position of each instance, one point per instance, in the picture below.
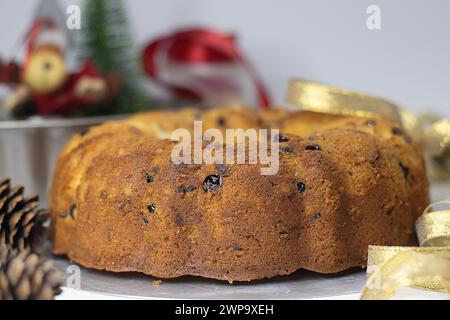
{"points": [[29, 149]]}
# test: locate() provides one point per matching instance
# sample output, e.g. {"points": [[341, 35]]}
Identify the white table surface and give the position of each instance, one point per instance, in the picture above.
{"points": [[407, 293]]}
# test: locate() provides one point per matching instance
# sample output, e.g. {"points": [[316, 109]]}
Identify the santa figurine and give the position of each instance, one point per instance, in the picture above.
{"points": [[47, 87]]}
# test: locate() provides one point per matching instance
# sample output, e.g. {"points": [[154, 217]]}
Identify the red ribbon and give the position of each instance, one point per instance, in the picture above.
{"points": [[198, 46]]}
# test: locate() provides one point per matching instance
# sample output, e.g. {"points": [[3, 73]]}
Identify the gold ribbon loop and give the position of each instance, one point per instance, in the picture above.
{"points": [[433, 228], [317, 97], [426, 267], [436, 143], [437, 137]]}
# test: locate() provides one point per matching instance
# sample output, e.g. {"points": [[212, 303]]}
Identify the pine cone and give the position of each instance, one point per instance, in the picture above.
{"points": [[5, 252], [22, 226], [23, 276]]}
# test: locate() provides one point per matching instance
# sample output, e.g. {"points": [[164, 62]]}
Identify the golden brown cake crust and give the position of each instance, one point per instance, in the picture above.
{"points": [[365, 186]]}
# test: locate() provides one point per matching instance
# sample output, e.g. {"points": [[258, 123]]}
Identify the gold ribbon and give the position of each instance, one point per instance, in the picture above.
{"points": [[317, 97], [434, 135], [426, 267], [433, 228]]}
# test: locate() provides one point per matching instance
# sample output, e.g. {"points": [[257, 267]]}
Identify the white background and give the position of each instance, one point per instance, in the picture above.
{"points": [[408, 61]]}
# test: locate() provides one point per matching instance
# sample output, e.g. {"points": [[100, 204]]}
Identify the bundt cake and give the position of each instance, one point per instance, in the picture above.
{"points": [[120, 204]]}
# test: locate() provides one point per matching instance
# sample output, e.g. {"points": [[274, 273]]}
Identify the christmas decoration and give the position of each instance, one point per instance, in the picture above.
{"points": [[47, 86], [107, 41], [51, 10], [204, 66], [9, 73], [47, 10], [22, 225], [23, 276]]}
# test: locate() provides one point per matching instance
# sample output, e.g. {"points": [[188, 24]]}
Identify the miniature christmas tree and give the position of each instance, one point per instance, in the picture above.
{"points": [[107, 41]]}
